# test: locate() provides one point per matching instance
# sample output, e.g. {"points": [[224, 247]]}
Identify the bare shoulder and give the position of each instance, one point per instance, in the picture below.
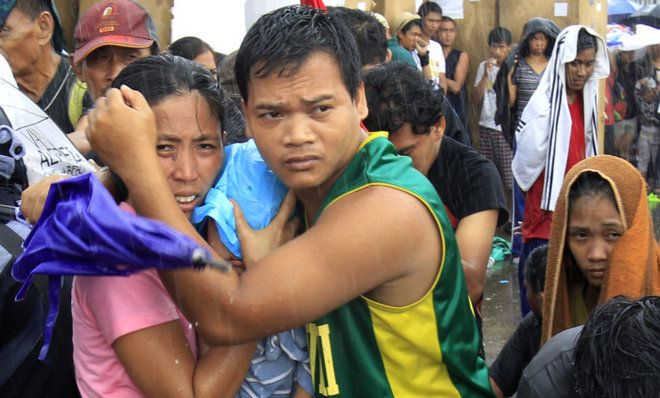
{"points": [[387, 231]]}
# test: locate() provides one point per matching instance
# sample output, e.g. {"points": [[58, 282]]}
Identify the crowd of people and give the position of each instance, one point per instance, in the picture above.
{"points": [[367, 278]]}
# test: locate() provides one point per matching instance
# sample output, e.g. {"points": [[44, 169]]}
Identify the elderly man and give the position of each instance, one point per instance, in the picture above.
{"points": [[31, 41]]}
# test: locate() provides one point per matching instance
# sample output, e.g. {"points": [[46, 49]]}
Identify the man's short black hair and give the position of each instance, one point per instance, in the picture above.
{"points": [[586, 41], [396, 94], [535, 265], [368, 32], [429, 7], [617, 354], [282, 40], [409, 25], [499, 35], [448, 19]]}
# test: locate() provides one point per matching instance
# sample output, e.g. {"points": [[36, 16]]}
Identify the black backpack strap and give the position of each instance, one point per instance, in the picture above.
{"points": [[11, 241], [22, 322]]}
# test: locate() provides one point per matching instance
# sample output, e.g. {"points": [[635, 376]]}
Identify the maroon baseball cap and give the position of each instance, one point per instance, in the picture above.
{"points": [[122, 23]]}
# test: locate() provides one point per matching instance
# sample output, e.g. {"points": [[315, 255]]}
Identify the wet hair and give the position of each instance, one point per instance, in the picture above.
{"points": [[282, 40], [590, 183], [499, 35], [159, 77], [189, 47], [535, 265], [32, 8], [427, 8], [617, 354], [369, 34], [448, 19], [586, 41], [396, 94], [409, 25], [525, 49]]}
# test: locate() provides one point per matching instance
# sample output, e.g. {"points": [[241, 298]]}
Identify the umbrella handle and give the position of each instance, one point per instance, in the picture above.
{"points": [[201, 258]]}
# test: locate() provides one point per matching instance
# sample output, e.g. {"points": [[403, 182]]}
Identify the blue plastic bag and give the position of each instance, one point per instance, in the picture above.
{"points": [[246, 179]]}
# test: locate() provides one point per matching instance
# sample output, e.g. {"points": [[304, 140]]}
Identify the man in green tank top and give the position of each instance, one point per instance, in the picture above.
{"points": [[376, 275]]}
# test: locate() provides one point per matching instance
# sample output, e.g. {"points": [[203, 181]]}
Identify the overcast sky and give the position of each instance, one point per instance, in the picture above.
{"points": [[222, 23]]}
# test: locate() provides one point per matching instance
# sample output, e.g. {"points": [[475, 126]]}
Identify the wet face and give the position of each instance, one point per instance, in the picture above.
{"points": [[447, 33], [594, 227], [19, 42], [422, 148], [189, 147], [580, 70], [207, 60], [499, 51], [431, 23], [305, 124], [409, 39], [101, 67], [538, 43]]}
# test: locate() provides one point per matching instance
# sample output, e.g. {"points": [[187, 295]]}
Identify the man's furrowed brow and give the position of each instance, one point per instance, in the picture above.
{"points": [[169, 137], [317, 99]]}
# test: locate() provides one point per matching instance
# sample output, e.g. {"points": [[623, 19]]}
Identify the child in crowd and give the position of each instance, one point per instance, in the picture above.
{"points": [[491, 140], [601, 243], [525, 342]]}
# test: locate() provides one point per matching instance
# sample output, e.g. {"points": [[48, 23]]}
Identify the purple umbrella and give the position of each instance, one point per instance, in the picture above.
{"points": [[83, 232]]}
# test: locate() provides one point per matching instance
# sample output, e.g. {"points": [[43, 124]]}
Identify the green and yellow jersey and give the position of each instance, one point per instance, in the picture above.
{"points": [[425, 349]]}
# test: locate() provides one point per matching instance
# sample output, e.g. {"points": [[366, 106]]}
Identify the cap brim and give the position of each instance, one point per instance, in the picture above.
{"points": [[110, 40]]}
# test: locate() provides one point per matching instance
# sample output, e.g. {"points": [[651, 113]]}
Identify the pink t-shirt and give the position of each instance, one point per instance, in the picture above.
{"points": [[105, 308]]}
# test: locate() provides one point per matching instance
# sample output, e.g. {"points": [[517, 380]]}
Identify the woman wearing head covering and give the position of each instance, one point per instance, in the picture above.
{"points": [[601, 245]]}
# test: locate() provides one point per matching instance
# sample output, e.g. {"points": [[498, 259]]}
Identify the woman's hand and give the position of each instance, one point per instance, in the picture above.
{"points": [[122, 131]]}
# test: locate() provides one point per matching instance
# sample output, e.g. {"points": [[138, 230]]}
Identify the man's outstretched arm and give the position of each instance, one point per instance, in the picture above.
{"points": [[356, 246]]}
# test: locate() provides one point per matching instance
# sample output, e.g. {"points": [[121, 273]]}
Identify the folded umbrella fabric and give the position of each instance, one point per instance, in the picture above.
{"points": [[82, 231]]}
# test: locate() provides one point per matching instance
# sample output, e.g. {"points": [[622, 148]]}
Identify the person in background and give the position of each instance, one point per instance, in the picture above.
{"points": [[407, 30], [100, 54], [615, 110], [510, 105], [506, 370], [402, 103], [431, 14], [530, 61], [196, 50], [369, 35], [647, 98], [32, 42], [408, 46], [457, 66], [625, 130], [491, 141], [557, 130]]}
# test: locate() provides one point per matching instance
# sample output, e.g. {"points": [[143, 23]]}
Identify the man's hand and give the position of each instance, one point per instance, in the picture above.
{"points": [[422, 46], [34, 197], [257, 244], [122, 131]]}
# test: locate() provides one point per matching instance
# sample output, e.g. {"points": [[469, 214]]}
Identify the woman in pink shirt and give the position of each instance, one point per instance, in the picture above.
{"points": [[130, 339]]}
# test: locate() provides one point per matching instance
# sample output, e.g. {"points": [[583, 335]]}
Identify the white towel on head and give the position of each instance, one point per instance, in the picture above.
{"points": [[544, 131]]}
